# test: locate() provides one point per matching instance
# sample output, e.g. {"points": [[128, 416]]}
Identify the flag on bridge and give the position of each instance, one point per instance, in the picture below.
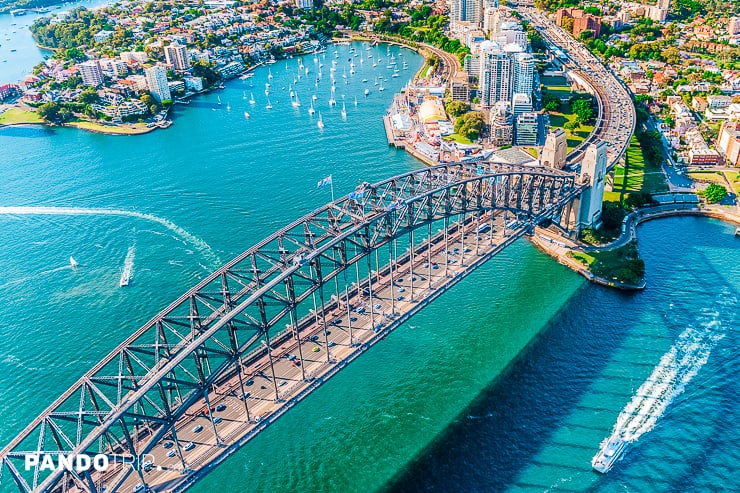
{"points": [[324, 182]]}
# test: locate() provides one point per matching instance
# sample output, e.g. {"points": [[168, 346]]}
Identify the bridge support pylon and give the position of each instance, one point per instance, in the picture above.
{"points": [[593, 172]]}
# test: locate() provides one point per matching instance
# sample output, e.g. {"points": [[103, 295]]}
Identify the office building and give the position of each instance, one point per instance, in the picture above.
{"points": [[521, 103], [91, 73], [527, 126], [156, 80], [177, 57]]}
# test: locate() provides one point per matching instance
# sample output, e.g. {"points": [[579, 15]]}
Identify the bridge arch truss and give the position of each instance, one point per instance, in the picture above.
{"points": [[279, 290]]}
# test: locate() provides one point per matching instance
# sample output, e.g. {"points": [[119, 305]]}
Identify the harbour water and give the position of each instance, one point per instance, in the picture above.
{"points": [[508, 382], [18, 52]]}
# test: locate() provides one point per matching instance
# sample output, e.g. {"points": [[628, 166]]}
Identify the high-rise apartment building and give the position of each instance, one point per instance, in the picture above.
{"points": [[177, 57], [156, 80], [495, 76], [466, 11], [91, 73], [523, 73]]}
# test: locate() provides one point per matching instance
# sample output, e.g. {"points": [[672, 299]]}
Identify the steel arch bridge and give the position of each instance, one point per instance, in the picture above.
{"points": [[198, 360]]}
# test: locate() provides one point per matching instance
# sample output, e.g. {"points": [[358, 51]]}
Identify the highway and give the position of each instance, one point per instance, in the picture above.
{"points": [[617, 119]]}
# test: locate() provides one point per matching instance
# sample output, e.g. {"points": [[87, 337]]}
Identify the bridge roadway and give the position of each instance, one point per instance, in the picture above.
{"points": [[617, 118], [277, 381]]}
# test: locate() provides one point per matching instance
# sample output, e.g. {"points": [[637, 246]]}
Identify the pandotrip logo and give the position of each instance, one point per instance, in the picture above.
{"points": [[85, 462]]}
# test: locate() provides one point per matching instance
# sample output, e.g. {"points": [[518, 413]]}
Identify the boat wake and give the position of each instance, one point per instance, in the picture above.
{"points": [[201, 245], [669, 378], [128, 266]]}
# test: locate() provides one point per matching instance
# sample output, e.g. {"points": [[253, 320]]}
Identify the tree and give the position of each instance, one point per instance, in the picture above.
{"points": [[470, 125], [550, 102], [715, 193], [612, 214], [582, 109], [89, 96], [457, 108], [572, 125]]}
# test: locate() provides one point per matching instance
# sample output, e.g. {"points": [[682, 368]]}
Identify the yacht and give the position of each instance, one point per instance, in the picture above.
{"points": [[320, 123], [269, 73], [311, 111], [344, 111], [296, 103], [251, 99], [247, 115], [610, 453], [73, 263], [269, 105], [244, 95], [355, 100], [367, 91]]}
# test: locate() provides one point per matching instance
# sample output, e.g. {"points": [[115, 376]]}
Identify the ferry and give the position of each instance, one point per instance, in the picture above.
{"points": [[610, 453]]}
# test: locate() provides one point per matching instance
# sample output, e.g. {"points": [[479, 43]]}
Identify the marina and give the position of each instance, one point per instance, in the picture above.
{"points": [[421, 355]]}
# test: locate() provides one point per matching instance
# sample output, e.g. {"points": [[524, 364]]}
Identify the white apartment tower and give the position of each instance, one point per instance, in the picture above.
{"points": [[466, 11], [156, 79], [177, 57], [495, 76], [523, 73], [91, 72]]}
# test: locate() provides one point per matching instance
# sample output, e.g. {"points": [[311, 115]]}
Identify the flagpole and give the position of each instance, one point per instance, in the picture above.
{"points": [[331, 183]]}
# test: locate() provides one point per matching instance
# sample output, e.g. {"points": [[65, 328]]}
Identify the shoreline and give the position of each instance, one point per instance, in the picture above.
{"points": [[554, 245]]}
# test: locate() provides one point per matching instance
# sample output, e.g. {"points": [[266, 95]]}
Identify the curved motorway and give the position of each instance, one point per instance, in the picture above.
{"points": [[617, 118]]}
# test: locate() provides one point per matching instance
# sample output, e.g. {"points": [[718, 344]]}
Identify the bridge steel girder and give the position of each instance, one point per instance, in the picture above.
{"points": [[131, 399]]}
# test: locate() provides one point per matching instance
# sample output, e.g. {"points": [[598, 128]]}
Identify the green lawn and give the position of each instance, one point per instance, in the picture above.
{"points": [[734, 177], [14, 116], [458, 138], [111, 129], [531, 151], [636, 176], [708, 177], [575, 137]]}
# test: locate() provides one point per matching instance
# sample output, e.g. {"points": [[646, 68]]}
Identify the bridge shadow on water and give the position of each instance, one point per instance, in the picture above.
{"points": [[501, 433], [504, 431]]}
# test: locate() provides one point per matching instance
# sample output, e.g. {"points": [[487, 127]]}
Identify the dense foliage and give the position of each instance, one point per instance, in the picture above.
{"points": [[715, 193], [78, 30], [470, 125]]}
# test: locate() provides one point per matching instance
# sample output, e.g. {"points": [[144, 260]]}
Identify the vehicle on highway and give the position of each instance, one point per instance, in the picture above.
{"points": [[197, 428], [189, 446], [221, 407]]}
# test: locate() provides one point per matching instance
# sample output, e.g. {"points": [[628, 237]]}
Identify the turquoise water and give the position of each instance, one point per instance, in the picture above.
{"points": [[18, 52], [551, 359]]}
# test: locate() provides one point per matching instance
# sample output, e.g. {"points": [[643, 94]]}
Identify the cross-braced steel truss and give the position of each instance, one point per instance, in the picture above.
{"points": [[132, 399]]}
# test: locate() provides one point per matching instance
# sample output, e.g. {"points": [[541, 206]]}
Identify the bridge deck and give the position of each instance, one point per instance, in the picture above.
{"points": [[349, 334]]}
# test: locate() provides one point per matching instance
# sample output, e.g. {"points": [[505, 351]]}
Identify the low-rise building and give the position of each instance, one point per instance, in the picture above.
{"points": [[704, 157], [527, 129]]}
